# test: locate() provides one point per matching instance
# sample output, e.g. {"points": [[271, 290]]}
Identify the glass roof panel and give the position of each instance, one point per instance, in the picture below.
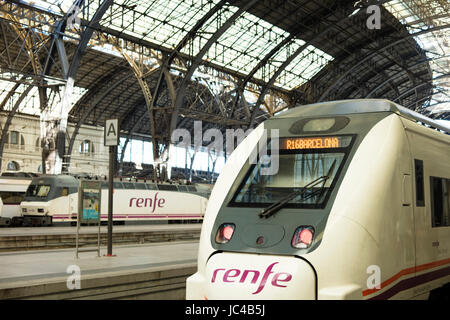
{"points": [[31, 104], [250, 38], [162, 22], [240, 48]]}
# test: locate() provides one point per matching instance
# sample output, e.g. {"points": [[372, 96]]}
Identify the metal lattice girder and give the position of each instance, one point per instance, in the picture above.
{"points": [[86, 36], [361, 77], [263, 61], [198, 59], [29, 39], [401, 84], [70, 76], [280, 23], [8, 96], [424, 84], [193, 32], [398, 75], [341, 17], [387, 76], [342, 75], [111, 85], [290, 59], [417, 102], [21, 48]]}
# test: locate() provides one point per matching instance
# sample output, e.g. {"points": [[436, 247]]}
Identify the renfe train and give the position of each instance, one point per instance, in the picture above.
{"points": [[12, 192], [54, 198], [358, 209]]}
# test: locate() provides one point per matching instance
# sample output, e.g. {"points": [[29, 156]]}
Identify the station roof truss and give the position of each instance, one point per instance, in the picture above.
{"points": [[158, 65]]}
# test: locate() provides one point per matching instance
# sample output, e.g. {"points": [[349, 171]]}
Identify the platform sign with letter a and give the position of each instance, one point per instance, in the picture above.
{"points": [[112, 132]]}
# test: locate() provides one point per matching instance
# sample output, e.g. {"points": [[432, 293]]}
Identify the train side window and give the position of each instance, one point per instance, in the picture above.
{"points": [[418, 173], [117, 185], [440, 202], [140, 186], [167, 187], [152, 186], [128, 185], [192, 189], [64, 192], [9, 197]]}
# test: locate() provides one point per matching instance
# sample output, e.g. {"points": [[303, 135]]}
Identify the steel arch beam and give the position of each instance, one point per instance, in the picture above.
{"points": [[373, 54], [9, 95], [398, 74], [265, 59], [422, 99], [440, 112], [88, 111], [193, 32], [277, 74], [286, 63], [260, 64], [420, 85], [86, 36], [93, 24], [198, 58], [401, 83]]}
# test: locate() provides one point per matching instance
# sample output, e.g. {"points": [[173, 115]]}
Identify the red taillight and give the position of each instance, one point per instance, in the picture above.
{"points": [[225, 233], [303, 237]]}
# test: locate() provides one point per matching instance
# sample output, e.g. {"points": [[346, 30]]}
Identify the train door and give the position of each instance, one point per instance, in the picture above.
{"points": [[430, 167]]}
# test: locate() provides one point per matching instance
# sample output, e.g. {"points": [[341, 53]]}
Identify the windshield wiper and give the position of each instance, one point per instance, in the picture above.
{"points": [[275, 207]]}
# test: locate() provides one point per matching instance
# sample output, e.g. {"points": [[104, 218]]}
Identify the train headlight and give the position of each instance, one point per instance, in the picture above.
{"points": [[24, 210], [303, 237], [225, 233]]}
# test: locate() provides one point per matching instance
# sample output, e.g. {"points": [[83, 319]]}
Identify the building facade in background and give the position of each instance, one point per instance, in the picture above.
{"points": [[22, 150]]}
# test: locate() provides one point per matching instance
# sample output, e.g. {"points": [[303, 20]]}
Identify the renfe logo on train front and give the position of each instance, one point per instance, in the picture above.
{"points": [[240, 276]]}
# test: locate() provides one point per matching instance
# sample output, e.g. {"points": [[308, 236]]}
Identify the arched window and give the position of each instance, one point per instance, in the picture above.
{"points": [[13, 166], [14, 137], [15, 140], [37, 145], [86, 147]]}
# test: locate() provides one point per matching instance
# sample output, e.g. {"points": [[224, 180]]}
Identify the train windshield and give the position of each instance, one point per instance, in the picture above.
{"points": [[39, 191], [297, 168]]}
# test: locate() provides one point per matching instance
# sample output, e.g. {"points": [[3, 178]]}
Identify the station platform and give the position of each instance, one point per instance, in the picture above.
{"points": [[32, 238], [146, 271]]}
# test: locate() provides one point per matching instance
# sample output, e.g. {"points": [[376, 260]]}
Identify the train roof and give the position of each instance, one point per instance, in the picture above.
{"points": [[61, 179], [343, 107]]}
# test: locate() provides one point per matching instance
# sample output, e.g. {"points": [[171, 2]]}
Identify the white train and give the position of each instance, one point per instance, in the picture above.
{"points": [[51, 199], [358, 209], [12, 192]]}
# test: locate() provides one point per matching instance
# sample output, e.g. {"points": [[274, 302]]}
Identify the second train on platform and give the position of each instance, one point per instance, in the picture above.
{"points": [[51, 199]]}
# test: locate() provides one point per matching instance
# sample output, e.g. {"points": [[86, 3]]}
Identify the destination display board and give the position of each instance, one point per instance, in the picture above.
{"points": [[328, 142]]}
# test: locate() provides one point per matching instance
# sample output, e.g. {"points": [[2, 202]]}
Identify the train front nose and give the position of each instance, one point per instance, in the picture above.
{"points": [[249, 276]]}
